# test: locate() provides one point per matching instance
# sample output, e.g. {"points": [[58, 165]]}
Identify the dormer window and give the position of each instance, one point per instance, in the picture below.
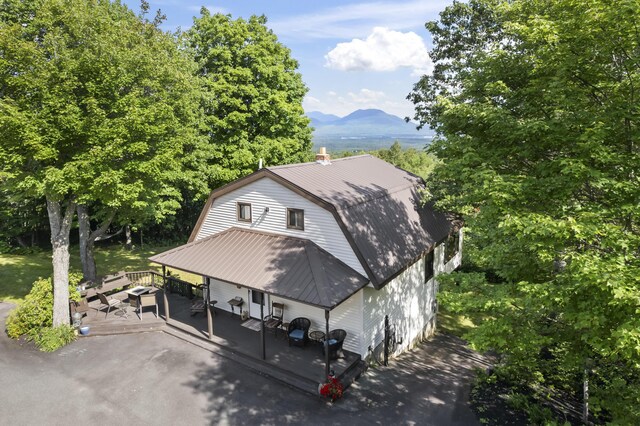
{"points": [[244, 212], [295, 219]]}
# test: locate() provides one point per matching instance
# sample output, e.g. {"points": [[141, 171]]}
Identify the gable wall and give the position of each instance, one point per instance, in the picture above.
{"points": [[319, 225]]}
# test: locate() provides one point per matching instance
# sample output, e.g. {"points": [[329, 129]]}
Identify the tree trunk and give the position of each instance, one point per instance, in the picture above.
{"points": [[87, 241], [60, 224], [127, 232]]}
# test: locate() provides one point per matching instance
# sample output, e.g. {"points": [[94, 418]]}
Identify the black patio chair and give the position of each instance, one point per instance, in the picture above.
{"points": [[334, 343], [298, 332]]}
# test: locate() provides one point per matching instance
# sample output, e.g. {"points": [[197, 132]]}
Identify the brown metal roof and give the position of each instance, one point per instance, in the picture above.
{"points": [[379, 207], [287, 267]]}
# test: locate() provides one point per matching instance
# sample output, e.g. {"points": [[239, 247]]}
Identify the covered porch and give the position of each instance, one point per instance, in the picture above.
{"points": [[304, 364], [255, 269]]}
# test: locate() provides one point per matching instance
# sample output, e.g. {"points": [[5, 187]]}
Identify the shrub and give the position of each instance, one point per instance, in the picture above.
{"points": [[36, 312], [49, 339]]}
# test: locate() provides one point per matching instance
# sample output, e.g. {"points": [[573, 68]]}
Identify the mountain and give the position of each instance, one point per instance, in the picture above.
{"points": [[363, 123], [321, 117]]}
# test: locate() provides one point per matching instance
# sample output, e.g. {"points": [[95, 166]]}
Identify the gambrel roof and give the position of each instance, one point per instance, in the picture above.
{"points": [[376, 204]]}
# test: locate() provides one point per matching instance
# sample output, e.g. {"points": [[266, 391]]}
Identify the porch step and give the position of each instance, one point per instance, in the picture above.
{"points": [[258, 366], [353, 373]]}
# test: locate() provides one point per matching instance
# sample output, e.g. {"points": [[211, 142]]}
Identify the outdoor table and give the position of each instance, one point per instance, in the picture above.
{"points": [[134, 293], [317, 336]]}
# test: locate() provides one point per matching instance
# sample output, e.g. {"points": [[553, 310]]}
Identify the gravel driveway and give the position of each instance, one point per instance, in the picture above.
{"points": [[154, 378]]}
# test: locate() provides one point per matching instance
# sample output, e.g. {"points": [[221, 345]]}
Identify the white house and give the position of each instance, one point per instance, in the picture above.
{"points": [[343, 243]]}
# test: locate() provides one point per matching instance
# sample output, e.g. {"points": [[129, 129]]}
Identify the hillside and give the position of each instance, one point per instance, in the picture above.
{"points": [[363, 123]]}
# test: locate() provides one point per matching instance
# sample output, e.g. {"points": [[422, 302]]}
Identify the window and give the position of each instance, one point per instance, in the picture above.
{"points": [[451, 246], [428, 266], [295, 219], [244, 212], [257, 297]]}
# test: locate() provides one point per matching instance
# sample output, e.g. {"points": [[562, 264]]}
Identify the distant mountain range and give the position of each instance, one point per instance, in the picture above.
{"points": [[363, 123]]}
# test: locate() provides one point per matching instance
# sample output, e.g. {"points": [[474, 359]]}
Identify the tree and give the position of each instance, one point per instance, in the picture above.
{"points": [[536, 107], [410, 159], [96, 105], [252, 97]]}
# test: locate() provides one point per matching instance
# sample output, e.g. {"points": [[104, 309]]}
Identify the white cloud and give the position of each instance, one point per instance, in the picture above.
{"points": [[382, 50], [356, 20], [366, 96]]}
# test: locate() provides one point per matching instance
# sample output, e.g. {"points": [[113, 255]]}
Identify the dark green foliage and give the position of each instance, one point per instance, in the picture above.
{"points": [[252, 98], [49, 339], [417, 162], [536, 107], [36, 312]]}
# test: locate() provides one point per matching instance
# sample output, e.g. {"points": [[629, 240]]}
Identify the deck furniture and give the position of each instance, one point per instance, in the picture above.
{"points": [[198, 305], [236, 302], [317, 336], [110, 283], [274, 319], [334, 342], [107, 303], [147, 300], [81, 307], [298, 331]]}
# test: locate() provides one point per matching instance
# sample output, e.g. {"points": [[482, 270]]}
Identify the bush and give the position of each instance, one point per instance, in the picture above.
{"points": [[49, 339], [36, 312]]}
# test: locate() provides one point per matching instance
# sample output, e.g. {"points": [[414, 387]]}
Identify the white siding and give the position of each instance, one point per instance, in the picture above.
{"points": [[319, 225], [409, 302], [347, 316]]}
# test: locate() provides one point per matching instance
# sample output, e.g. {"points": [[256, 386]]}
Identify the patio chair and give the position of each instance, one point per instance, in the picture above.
{"points": [[334, 343], [274, 319], [298, 332], [107, 303], [147, 300]]}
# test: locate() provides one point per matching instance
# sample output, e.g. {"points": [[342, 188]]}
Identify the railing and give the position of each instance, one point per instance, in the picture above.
{"points": [[173, 284]]}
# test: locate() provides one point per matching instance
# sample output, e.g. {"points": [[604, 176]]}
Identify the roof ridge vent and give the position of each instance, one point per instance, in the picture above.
{"points": [[322, 157]]}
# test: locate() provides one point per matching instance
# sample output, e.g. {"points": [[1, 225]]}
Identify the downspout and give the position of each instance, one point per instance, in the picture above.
{"points": [[164, 293], [209, 308], [264, 352], [327, 368]]}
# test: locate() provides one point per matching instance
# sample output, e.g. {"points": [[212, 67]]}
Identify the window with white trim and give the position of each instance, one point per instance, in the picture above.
{"points": [[295, 219], [244, 212]]}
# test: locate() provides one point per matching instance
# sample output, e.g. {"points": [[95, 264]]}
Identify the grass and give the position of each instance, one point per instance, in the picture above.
{"points": [[455, 324], [18, 272]]}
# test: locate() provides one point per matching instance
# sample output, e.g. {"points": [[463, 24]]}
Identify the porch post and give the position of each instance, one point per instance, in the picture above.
{"points": [[327, 368], [207, 288], [264, 352], [164, 293]]}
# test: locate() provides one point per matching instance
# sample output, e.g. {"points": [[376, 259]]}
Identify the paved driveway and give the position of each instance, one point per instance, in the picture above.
{"points": [[154, 378]]}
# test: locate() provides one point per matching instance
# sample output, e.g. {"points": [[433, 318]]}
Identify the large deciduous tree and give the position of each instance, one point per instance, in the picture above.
{"points": [[96, 106], [252, 97], [536, 103]]}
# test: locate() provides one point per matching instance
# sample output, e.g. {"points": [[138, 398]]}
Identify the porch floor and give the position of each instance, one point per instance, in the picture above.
{"points": [[305, 362]]}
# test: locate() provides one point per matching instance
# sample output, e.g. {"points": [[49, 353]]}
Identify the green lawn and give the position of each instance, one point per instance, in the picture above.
{"points": [[455, 324], [18, 272]]}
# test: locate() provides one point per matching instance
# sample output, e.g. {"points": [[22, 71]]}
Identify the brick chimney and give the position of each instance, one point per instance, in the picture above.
{"points": [[322, 157]]}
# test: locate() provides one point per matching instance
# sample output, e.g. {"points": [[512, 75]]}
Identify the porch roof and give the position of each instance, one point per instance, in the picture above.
{"points": [[288, 267]]}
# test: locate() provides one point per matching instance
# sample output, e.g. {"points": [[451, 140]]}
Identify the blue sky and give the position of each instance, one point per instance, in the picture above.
{"points": [[352, 54]]}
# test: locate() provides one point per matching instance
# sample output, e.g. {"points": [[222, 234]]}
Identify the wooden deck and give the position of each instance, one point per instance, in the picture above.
{"points": [[305, 363]]}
